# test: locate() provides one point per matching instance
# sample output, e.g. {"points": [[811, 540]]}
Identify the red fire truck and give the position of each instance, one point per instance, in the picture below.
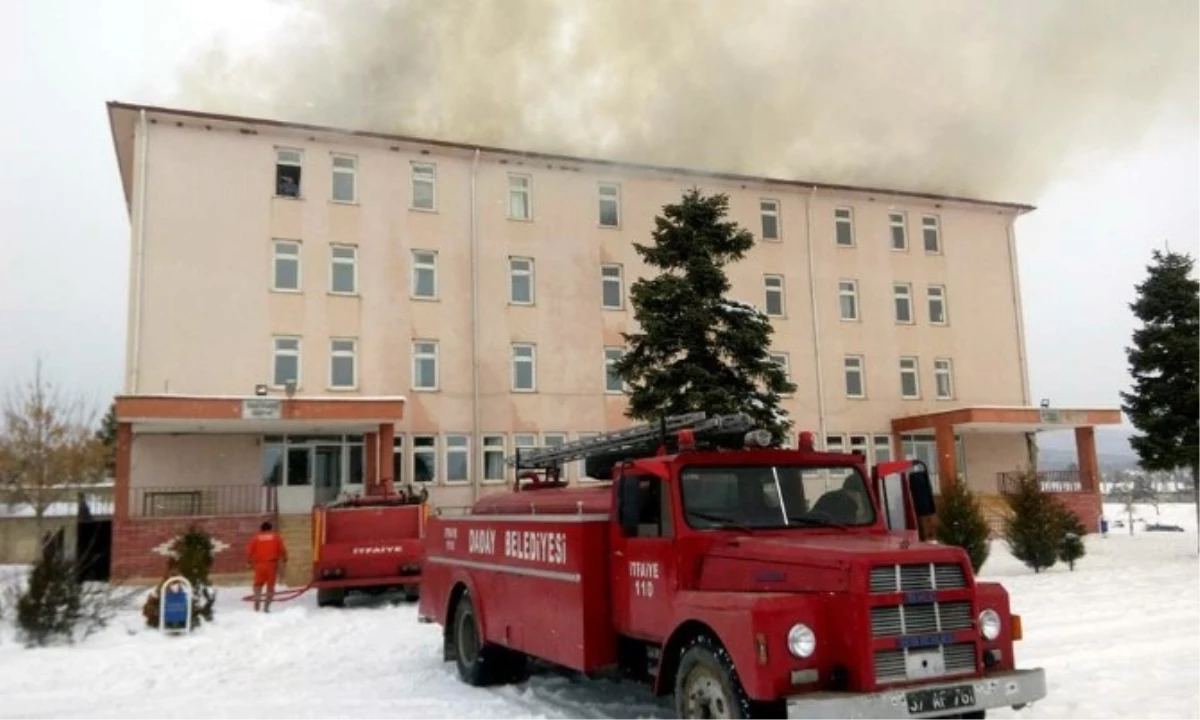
{"points": [[747, 580]]}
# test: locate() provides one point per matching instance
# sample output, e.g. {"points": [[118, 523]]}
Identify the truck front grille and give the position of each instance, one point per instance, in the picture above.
{"points": [[892, 666], [922, 576], [897, 620]]}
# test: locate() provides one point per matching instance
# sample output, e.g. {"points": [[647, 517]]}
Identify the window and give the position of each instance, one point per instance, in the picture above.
{"points": [[343, 271], [781, 359], [612, 381], [848, 299], [932, 231], [843, 225], [835, 443], [286, 273], [936, 295], [652, 498], [943, 379], [342, 370], [520, 280], [773, 497], [855, 385], [493, 458], [458, 458], [612, 284], [773, 289], [553, 439], [424, 186], [425, 365], [883, 448], [519, 205], [860, 444], [610, 205], [899, 231], [345, 167], [910, 385], [286, 356], [582, 464], [424, 458], [902, 293], [524, 370], [288, 166], [769, 211], [424, 274], [398, 473], [524, 441]]}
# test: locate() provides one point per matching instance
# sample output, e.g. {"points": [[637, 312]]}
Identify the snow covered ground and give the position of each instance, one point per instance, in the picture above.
{"points": [[1118, 638]]}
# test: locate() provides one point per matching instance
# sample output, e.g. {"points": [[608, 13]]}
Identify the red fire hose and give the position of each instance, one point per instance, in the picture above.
{"points": [[284, 595]]}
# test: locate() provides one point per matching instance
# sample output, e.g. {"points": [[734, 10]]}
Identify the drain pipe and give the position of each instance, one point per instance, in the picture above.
{"points": [[816, 325], [1016, 282], [139, 254], [477, 440]]}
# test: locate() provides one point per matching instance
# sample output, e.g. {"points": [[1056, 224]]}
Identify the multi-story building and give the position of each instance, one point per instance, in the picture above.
{"points": [[313, 310]]}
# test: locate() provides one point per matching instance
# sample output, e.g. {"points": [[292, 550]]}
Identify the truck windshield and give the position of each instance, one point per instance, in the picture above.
{"points": [[765, 496]]}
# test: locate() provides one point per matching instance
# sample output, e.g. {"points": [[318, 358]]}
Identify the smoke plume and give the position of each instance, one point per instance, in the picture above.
{"points": [[986, 98]]}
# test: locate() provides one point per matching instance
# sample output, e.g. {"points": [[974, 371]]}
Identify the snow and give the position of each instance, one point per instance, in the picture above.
{"points": [[1117, 637], [738, 306]]}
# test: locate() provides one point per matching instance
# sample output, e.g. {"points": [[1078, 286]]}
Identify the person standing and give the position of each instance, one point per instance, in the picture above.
{"points": [[264, 554]]}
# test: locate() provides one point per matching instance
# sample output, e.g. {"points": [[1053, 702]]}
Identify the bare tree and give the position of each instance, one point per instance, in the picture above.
{"points": [[48, 444]]}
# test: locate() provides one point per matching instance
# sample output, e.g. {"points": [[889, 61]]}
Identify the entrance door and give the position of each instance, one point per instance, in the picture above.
{"points": [[327, 472], [644, 577]]}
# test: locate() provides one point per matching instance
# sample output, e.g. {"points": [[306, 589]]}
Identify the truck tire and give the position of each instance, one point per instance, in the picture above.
{"points": [[335, 597], [707, 685], [479, 663]]}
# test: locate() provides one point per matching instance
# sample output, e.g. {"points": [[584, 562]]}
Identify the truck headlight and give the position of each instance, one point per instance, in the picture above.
{"points": [[801, 640], [989, 624]]}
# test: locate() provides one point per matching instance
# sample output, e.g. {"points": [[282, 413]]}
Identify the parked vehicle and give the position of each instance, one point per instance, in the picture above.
{"points": [[745, 580]]}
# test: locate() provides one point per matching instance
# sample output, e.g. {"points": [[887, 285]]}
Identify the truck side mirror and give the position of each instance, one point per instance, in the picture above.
{"points": [[629, 503], [922, 493]]}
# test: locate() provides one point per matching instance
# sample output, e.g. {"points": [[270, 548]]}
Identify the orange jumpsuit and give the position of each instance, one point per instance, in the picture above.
{"points": [[264, 553]]}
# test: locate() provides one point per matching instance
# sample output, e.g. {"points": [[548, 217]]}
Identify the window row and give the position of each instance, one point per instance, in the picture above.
{"points": [[343, 188], [908, 376], [850, 304], [449, 457]]}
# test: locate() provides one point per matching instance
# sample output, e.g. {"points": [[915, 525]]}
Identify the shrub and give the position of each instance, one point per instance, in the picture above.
{"points": [[52, 603], [1071, 532], [192, 557], [960, 522], [1032, 527]]}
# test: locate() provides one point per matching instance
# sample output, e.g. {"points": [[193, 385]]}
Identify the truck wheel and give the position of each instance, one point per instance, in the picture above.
{"points": [[331, 598], [707, 685], [477, 660]]}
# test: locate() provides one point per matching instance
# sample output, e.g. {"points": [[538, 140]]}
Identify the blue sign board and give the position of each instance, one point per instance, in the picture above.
{"points": [[175, 605]]}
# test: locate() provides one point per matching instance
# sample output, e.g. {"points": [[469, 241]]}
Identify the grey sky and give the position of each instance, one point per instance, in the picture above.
{"points": [[64, 232]]}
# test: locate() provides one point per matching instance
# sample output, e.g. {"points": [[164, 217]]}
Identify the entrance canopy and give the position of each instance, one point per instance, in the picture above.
{"points": [[196, 414]]}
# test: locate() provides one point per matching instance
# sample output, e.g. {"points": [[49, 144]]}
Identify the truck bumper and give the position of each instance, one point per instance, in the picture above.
{"points": [[1014, 689]]}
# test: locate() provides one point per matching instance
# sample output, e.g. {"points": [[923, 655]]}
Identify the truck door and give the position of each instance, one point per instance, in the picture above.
{"points": [[642, 556]]}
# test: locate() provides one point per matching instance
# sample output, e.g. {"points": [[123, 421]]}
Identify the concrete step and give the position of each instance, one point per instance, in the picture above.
{"points": [[297, 535]]}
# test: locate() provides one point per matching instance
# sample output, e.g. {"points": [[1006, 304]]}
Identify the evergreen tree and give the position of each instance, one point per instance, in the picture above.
{"points": [[107, 435], [52, 603], [191, 557], [960, 522], [1165, 363], [699, 350], [1071, 532], [1031, 529]]}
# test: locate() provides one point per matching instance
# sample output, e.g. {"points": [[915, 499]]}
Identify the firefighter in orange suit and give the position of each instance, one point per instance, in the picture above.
{"points": [[264, 554]]}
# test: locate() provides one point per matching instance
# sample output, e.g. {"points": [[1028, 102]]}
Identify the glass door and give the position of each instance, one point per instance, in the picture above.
{"points": [[327, 472]]}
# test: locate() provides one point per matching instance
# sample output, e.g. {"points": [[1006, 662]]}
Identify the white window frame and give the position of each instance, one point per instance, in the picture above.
{"points": [[915, 371], [561, 437], [609, 361], [342, 352], [419, 354], [514, 273], [276, 352], [943, 368], [417, 265], [852, 293], [902, 224], [835, 443], [489, 447], [767, 290], [936, 294], [448, 449], [614, 198], [280, 161], [352, 261], [902, 291], [277, 257], [878, 440], [418, 450], [422, 173], [581, 465], [936, 226], [854, 364], [519, 442], [527, 190], [773, 212], [515, 360], [398, 449], [351, 171], [784, 360], [861, 443], [618, 280], [838, 220]]}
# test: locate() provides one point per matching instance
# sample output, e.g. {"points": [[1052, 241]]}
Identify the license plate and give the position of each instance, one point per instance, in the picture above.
{"points": [[949, 698]]}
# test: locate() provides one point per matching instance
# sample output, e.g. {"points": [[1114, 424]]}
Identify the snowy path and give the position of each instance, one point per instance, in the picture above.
{"points": [[1118, 637]]}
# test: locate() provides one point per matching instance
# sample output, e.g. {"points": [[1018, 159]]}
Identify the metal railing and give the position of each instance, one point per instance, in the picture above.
{"points": [[1057, 481], [198, 501]]}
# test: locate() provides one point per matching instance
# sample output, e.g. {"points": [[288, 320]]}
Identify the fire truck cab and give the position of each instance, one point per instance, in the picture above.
{"points": [[745, 580]]}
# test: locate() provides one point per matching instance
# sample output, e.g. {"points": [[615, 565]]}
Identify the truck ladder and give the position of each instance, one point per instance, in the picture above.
{"points": [[554, 456]]}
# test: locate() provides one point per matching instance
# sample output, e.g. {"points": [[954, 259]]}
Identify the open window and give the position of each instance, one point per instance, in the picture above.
{"points": [[645, 507], [288, 166]]}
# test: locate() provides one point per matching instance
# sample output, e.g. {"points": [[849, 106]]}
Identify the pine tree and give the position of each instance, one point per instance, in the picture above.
{"points": [[1031, 529], [960, 522], [1071, 532], [191, 557], [1165, 363], [52, 604], [699, 350], [107, 436]]}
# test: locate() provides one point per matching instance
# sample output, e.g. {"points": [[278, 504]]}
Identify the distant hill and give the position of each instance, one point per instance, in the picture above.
{"points": [[1056, 450]]}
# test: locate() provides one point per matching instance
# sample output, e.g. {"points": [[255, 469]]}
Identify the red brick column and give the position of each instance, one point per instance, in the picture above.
{"points": [[124, 466], [387, 438], [371, 457], [1085, 448], [947, 463]]}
